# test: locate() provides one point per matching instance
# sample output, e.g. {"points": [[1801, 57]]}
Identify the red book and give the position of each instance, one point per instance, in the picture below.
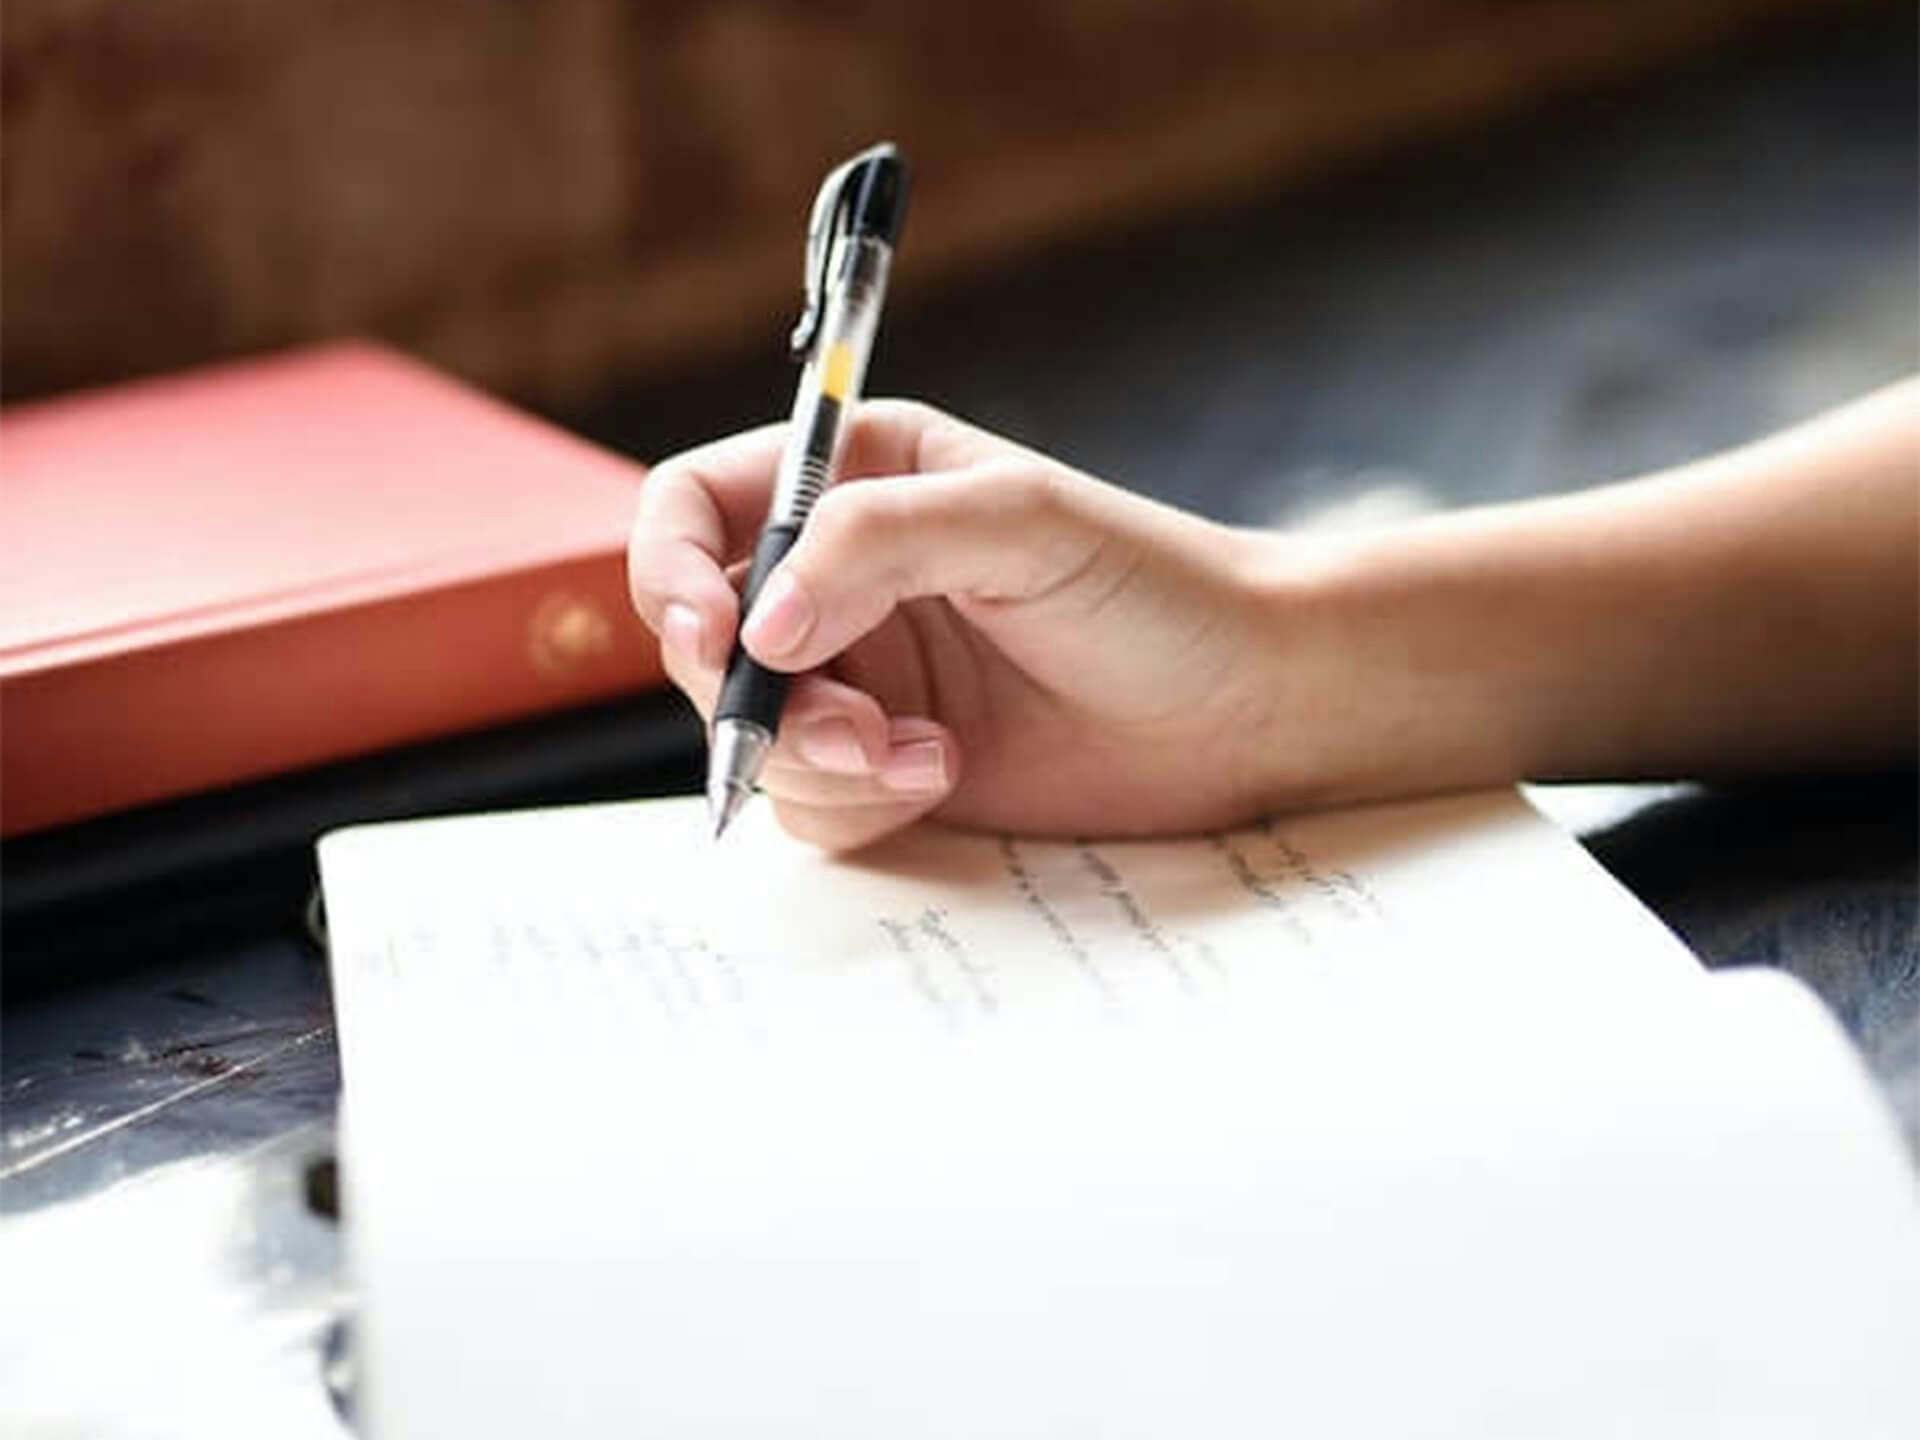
{"points": [[262, 566]]}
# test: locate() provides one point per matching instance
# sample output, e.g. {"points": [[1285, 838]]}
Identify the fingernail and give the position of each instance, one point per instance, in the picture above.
{"points": [[680, 627], [832, 745], [917, 768], [781, 617]]}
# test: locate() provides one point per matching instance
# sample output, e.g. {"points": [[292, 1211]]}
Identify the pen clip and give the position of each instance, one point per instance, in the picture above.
{"points": [[823, 226]]}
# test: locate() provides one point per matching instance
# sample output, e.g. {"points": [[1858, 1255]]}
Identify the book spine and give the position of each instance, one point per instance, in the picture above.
{"points": [[161, 721]]}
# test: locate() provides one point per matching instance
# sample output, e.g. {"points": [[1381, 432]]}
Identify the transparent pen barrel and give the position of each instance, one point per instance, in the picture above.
{"points": [[832, 382]]}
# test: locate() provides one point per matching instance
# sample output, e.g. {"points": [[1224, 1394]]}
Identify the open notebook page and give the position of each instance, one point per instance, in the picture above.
{"points": [[607, 920], [1396, 1121]]}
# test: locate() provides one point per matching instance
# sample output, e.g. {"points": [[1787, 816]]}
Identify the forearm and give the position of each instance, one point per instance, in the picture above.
{"points": [[1760, 611]]}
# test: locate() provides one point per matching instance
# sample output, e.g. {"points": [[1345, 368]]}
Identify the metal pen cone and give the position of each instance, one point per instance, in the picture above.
{"points": [[725, 805], [739, 751]]}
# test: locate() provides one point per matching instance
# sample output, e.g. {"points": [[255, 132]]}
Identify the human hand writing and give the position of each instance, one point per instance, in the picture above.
{"points": [[987, 635]]}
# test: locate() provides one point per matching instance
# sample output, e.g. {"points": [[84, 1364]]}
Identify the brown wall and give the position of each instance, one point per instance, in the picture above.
{"points": [[544, 196]]}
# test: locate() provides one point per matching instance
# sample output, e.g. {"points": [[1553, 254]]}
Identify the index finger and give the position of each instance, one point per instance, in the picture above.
{"points": [[701, 510], [691, 509], [718, 493], [713, 497]]}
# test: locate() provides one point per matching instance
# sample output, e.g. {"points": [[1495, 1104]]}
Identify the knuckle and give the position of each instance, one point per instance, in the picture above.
{"points": [[931, 434], [665, 483], [915, 418], [901, 409], [1031, 494], [860, 515]]}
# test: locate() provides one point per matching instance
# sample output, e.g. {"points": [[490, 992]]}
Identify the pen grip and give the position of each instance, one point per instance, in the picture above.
{"points": [[750, 691]]}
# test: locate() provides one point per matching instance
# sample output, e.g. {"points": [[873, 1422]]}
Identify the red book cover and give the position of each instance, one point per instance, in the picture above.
{"points": [[266, 565]]}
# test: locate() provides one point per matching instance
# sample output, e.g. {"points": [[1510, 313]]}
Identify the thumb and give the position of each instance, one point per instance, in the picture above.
{"points": [[991, 532]]}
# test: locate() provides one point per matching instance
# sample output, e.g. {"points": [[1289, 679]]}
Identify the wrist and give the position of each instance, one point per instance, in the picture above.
{"points": [[1398, 665]]}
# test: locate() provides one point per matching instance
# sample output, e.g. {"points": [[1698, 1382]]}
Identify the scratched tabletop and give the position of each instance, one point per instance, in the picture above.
{"points": [[1622, 282]]}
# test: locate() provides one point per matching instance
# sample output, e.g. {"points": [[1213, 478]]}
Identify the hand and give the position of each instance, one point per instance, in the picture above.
{"points": [[988, 636], [1003, 642]]}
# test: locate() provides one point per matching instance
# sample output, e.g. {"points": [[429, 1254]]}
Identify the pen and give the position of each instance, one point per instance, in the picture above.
{"points": [[850, 239]]}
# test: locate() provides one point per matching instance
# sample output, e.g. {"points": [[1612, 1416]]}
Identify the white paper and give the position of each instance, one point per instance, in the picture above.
{"points": [[603, 921], [1403, 1121]]}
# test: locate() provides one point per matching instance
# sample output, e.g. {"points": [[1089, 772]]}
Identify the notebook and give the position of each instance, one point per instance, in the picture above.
{"points": [[266, 565], [1404, 1120]]}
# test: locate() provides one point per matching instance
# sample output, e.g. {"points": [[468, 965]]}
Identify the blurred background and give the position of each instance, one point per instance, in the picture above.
{"points": [[1258, 256]]}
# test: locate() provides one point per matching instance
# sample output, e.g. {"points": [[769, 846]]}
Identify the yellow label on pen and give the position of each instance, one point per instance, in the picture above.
{"points": [[836, 372]]}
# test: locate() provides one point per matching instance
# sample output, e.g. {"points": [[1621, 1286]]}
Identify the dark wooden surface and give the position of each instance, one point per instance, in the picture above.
{"points": [[1617, 285]]}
